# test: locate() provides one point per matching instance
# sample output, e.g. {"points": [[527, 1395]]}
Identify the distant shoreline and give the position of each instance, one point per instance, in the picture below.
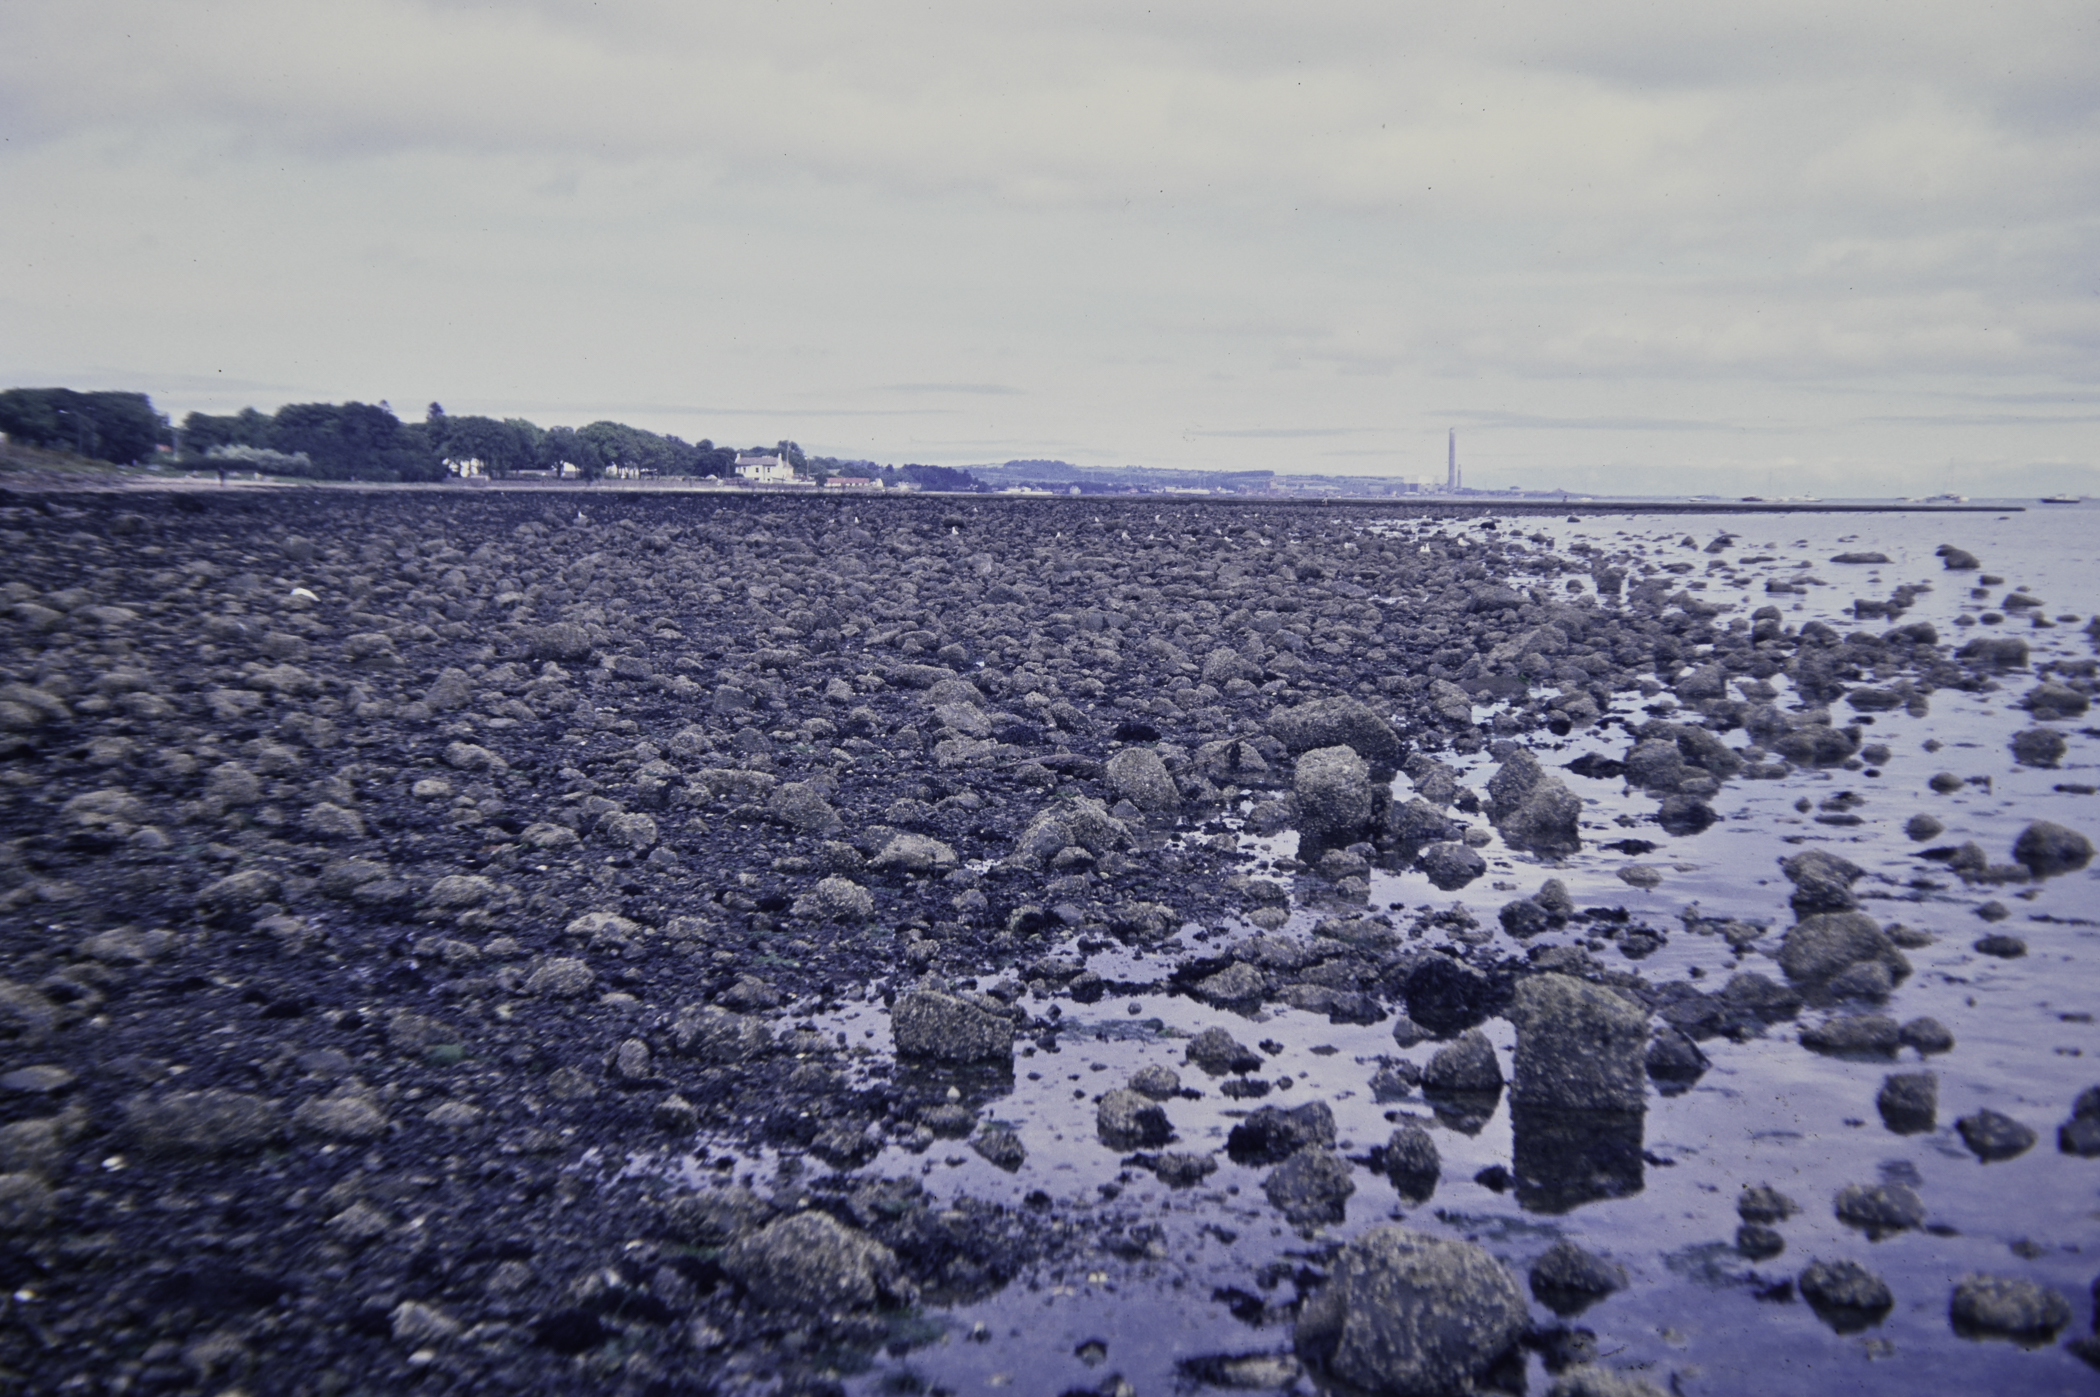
{"points": [[36, 483]]}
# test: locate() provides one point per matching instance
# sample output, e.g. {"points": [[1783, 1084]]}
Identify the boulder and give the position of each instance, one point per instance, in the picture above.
{"points": [[2080, 1135], [2011, 1307], [1466, 1065], [1412, 1163], [1412, 1315], [1880, 1209], [1218, 1053], [1273, 1134], [835, 899], [1819, 947], [1533, 810], [564, 641], [1415, 824], [1337, 722], [1909, 1102], [1445, 996], [27, 1203], [1845, 1295], [2039, 747], [562, 977], [1858, 1033], [26, 1016], [1523, 917], [1157, 1081], [1332, 790], [1138, 775], [1001, 1147], [914, 853], [1822, 882], [1579, 1046], [718, 1036], [1567, 1280], [1674, 1061], [946, 1028], [1993, 1135], [630, 831], [1311, 1188], [1131, 1120], [1237, 985], [814, 1263], [801, 806], [1083, 822], [1452, 866], [2055, 702], [1994, 652], [2048, 849], [1761, 1203]]}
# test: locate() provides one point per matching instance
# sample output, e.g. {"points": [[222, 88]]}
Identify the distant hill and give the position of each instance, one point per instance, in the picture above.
{"points": [[1012, 473]]}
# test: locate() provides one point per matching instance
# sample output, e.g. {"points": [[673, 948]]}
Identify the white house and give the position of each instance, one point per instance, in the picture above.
{"points": [[764, 468]]}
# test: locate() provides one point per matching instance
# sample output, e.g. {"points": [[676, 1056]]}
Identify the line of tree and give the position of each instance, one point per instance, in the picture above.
{"points": [[360, 441], [366, 441], [339, 441], [121, 428]]}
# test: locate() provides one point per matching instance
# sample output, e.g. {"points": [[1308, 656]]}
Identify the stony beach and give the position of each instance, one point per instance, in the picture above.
{"points": [[581, 941]]}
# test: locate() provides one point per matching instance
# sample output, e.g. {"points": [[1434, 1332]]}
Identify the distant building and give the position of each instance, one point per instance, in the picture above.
{"points": [[764, 468], [1453, 481], [851, 482]]}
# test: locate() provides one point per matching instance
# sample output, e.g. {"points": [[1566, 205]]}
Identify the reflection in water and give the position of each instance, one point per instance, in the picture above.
{"points": [[1565, 1159], [1463, 1111]]}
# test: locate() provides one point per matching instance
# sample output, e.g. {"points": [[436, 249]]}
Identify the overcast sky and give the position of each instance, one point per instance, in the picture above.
{"points": [[1774, 248]]}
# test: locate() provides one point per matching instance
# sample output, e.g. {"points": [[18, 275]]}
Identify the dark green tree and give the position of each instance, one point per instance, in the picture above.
{"points": [[500, 447], [355, 441], [202, 432], [121, 428], [565, 446]]}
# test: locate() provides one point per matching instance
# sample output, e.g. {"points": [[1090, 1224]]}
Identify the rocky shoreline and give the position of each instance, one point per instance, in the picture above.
{"points": [[383, 873]]}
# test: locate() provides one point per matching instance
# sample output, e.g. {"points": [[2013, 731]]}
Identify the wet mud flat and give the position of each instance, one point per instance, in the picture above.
{"points": [[679, 945]]}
